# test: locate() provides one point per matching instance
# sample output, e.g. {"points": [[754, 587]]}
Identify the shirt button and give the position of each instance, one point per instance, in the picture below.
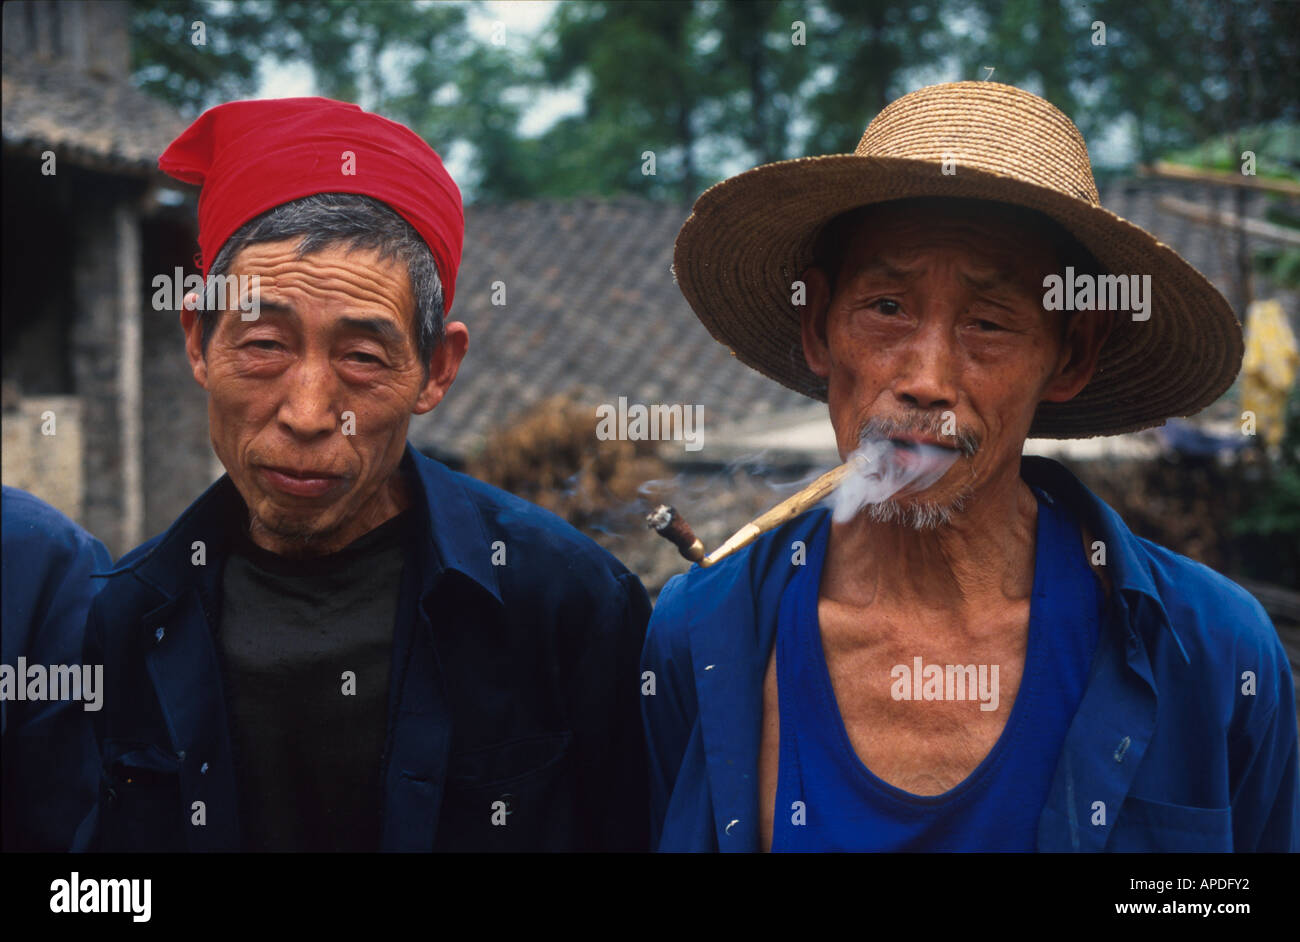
{"points": [[158, 635], [728, 828], [203, 769]]}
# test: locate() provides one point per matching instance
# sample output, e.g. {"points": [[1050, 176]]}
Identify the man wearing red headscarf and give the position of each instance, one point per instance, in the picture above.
{"points": [[342, 644]]}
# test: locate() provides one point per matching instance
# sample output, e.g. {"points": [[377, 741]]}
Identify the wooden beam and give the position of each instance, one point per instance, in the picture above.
{"points": [[1252, 227], [1163, 168]]}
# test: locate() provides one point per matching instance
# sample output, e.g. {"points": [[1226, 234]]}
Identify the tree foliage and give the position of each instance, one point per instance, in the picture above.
{"points": [[711, 87]]}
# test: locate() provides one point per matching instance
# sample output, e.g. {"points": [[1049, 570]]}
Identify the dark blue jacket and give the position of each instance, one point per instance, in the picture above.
{"points": [[1167, 752], [514, 682], [48, 786]]}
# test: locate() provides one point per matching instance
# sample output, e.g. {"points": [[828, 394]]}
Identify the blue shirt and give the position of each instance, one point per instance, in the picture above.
{"points": [[1185, 739], [48, 787], [828, 800]]}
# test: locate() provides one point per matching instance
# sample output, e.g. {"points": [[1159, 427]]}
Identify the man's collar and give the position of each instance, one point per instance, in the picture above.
{"points": [[169, 562], [1125, 557], [451, 528], [455, 528]]}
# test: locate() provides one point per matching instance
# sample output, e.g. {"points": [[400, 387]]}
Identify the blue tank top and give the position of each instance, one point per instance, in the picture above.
{"points": [[844, 807]]}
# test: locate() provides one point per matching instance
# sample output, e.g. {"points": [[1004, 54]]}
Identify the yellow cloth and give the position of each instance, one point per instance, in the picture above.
{"points": [[1269, 368]]}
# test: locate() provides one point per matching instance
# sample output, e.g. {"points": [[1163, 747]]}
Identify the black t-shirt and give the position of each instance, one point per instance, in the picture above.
{"points": [[305, 648]]}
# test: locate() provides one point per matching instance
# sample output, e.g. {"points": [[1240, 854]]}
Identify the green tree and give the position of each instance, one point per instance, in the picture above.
{"points": [[638, 62], [877, 51], [757, 76], [168, 63], [1175, 71], [416, 63], [712, 86]]}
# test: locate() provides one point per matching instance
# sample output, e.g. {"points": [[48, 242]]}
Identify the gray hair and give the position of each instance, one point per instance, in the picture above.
{"points": [[352, 221]]}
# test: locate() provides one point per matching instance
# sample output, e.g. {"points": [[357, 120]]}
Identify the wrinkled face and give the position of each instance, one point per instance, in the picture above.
{"points": [[308, 404], [936, 327]]}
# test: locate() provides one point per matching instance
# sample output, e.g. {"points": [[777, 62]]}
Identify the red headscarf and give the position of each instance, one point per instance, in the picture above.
{"points": [[251, 156]]}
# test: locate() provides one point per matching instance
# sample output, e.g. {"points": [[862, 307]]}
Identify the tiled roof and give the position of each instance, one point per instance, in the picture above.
{"points": [[85, 119], [590, 302]]}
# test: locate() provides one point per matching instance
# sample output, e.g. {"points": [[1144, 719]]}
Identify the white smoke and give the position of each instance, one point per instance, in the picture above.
{"points": [[880, 468]]}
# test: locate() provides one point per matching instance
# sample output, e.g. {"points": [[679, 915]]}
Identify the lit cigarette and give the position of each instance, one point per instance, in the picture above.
{"points": [[787, 510], [672, 526]]}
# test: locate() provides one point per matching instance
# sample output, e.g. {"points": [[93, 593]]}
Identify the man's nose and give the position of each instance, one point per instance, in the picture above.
{"points": [[928, 376], [310, 407]]}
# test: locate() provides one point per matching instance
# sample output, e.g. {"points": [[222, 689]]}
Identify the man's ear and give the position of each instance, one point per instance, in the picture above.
{"points": [[443, 366], [192, 324], [812, 321], [1084, 338]]}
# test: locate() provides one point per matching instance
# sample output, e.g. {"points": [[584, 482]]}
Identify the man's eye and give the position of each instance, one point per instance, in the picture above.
{"points": [[886, 306], [989, 325], [263, 344], [367, 358]]}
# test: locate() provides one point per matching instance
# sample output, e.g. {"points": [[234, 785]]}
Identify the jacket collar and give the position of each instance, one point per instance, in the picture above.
{"points": [[453, 526], [453, 534], [1126, 557], [742, 593]]}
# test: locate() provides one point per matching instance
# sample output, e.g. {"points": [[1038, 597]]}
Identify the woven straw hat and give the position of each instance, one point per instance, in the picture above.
{"points": [[749, 237]]}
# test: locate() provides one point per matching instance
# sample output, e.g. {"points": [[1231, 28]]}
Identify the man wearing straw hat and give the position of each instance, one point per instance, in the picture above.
{"points": [[995, 661]]}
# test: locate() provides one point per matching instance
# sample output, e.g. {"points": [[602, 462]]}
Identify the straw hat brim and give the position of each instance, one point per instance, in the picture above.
{"points": [[750, 237]]}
